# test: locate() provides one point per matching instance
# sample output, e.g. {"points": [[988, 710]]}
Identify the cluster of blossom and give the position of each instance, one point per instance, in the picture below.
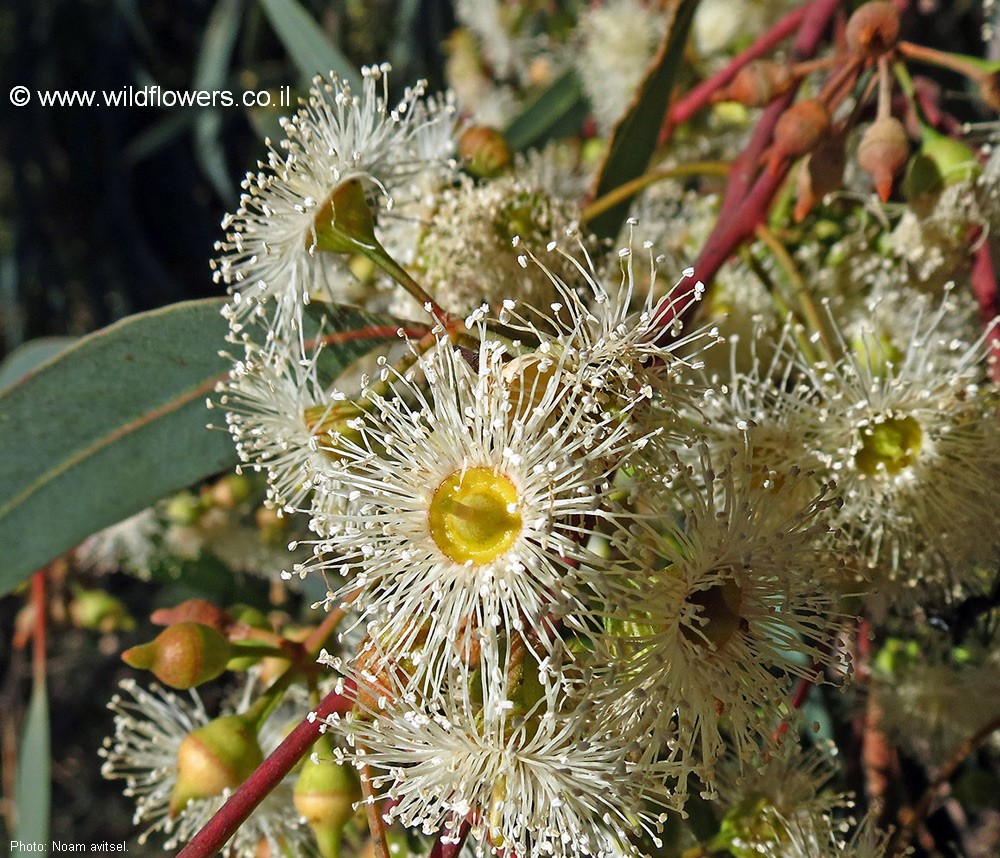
{"points": [[583, 565]]}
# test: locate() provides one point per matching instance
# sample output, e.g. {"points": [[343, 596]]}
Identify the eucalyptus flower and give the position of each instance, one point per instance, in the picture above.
{"points": [[272, 257], [475, 484]]}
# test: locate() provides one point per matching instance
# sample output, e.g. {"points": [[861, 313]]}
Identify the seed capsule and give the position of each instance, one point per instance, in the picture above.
{"points": [[873, 29], [758, 83], [484, 151], [798, 130], [882, 153]]}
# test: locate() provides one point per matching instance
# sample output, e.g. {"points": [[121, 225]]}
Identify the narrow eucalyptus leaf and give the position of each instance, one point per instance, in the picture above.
{"points": [[33, 799], [308, 46], [633, 140], [547, 115]]}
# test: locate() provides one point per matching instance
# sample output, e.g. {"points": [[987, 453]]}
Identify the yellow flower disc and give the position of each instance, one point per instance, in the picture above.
{"points": [[474, 517], [892, 444]]}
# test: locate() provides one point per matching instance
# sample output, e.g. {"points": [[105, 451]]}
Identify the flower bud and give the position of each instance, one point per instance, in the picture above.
{"points": [[798, 130], [272, 526], [873, 29], [940, 161], [955, 161], [882, 153], [184, 509], [219, 756], [183, 655], [97, 611], [325, 794], [193, 611], [271, 667], [758, 83], [484, 151], [230, 491]]}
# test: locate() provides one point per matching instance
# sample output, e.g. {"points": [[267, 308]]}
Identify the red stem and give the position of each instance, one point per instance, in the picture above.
{"points": [[984, 287], [798, 699], [699, 97], [38, 631], [254, 789], [440, 849], [372, 332]]}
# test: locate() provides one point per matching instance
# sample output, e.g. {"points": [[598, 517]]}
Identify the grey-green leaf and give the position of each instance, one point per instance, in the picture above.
{"points": [[309, 47], [33, 787], [633, 140], [116, 422], [558, 109], [29, 355]]}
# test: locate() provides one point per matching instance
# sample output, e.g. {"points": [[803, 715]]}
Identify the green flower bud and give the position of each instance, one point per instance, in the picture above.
{"points": [[230, 491], [219, 756], [97, 611], [941, 161], [325, 794], [484, 151], [183, 655], [184, 509]]}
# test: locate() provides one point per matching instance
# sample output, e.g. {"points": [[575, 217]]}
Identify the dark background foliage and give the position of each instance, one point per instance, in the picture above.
{"points": [[111, 210]]}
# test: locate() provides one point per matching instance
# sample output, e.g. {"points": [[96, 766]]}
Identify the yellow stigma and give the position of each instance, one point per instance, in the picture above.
{"points": [[892, 444], [719, 609], [474, 517]]}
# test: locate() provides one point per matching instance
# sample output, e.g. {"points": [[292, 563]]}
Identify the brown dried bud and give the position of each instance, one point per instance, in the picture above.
{"points": [[798, 130], [882, 153], [822, 172], [484, 151], [873, 29], [758, 83]]}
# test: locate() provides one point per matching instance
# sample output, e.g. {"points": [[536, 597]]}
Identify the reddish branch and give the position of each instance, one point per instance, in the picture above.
{"points": [[914, 818], [448, 846], [254, 789], [699, 97], [798, 699], [40, 611], [747, 200], [984, 287]]}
